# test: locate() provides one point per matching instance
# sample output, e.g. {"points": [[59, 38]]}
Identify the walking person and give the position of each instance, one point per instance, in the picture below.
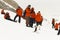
{"points": [[7, 17], [19, 12], [56, 26], [39, 20], [32, 17], [53, 22], [27, 16]]}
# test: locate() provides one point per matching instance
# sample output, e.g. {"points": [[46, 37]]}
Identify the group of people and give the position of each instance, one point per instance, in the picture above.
{"points": [[31, 17], [28, 14], [56, 26]]}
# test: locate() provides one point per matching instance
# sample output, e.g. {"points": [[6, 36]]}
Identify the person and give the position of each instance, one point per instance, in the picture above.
{"points": [[27, 16], [19, 12], [7, 17], [53, 22], [32, 17], [2, 12], [58, 30], [38, 19], [56, 26]]}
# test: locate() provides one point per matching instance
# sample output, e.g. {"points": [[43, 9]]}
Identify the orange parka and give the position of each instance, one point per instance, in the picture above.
{"points": [[38, 17], [56, 26], [28, 11], [19, 11]]}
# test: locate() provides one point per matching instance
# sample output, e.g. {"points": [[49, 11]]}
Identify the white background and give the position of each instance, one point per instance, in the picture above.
{"points": [[18, 31]]}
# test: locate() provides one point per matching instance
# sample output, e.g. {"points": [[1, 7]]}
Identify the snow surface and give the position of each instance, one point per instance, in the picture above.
{"points": [[18, 31]]}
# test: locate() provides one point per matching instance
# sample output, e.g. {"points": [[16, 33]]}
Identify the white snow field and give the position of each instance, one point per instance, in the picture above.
{"points": [[18, 31]]}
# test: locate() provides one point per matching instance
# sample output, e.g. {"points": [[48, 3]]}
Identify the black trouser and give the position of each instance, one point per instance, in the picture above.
{"points": [[39, 23], [10, 19], [58, 32], [31, 22], [16, 17]]}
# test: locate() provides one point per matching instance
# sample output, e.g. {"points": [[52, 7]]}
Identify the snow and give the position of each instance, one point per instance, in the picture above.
{"points": [[18, 31]]}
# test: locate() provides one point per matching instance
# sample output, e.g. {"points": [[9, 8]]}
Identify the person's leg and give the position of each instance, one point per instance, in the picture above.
{"points": [[39, 27], [40, 23], [52, 25], [31, 22], [35, 29], [19, 19], [11, 19], [15, 17], [37, 23], [27, 21], [58, 33]]}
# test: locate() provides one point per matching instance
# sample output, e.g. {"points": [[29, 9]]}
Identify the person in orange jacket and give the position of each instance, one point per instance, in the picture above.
{"points": [[53, 22], [27, 15], [7, 17], [32, 17], [38, 19], [19, 12], [56, 26], [2, 12]]}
